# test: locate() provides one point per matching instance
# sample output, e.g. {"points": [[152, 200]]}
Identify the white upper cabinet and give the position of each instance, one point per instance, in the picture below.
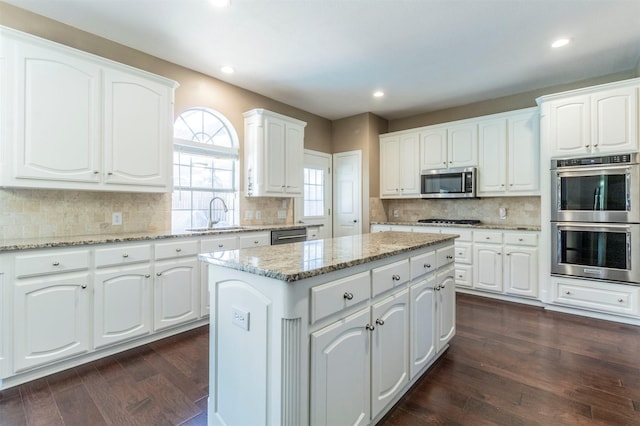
{"points": [[137, 127], [509, 153], [274, 154], [600, 119], [455, 145], [400, 166], [81, 122]]}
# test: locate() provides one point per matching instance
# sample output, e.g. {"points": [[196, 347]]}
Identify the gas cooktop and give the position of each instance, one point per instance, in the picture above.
{"points": [[451, 221]]}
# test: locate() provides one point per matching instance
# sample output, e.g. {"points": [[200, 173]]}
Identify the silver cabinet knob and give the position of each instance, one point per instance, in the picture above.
{"points": [[83, 286], [56, 263], [125, 255], [158, 273], [178, 250], [348, 296], [567, 292], [147, 276], [620, 300], [449, 257], [395, 277], [369, 327], [427, 265], [379, 321]]}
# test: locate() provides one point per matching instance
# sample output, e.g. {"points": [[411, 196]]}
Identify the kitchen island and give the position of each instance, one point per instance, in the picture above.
{"points": [[326, 332]]}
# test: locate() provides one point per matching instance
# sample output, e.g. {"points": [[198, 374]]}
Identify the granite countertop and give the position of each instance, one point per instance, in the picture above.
{"points": [[297, 261], [46, 242], [479, 226]]}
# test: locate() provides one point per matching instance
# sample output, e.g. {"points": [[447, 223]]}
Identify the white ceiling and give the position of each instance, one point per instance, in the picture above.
{"points": [[328, 56]]}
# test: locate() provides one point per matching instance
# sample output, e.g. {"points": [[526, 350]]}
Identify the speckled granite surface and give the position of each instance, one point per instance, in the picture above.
{"points": [[480, 226], [34, 243], [297, 261]]}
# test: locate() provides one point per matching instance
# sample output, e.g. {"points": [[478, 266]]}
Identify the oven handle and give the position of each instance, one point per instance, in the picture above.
{"points": [[588, 171], [593, 226]]}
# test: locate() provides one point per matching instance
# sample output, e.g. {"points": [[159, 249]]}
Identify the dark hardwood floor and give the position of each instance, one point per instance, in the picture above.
{"points": [[508, 364]]}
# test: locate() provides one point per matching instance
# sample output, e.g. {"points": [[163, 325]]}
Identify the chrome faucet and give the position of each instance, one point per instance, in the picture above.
{"points": [[224, 206]]}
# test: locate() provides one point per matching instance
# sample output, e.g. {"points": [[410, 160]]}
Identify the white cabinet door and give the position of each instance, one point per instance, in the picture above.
{"points": [[409, 165], [274, 150], [389, 162], [122, 305], [524, 153], [445, 307], [57, 112], [294, 159], [176, 292], [423, 324], [433, 148], [487, 269], [51, 319], [569, 122], [615, 120], [340, 372], [492, 162], [462, 145], [521, 271], [138, 128], [389, 349]]}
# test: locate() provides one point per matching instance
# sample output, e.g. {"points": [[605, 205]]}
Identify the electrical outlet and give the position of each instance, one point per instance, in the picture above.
{"points": [[258, 215], [116, 218], [503, 212], [240, 317], [248, 215], [396, 213]]}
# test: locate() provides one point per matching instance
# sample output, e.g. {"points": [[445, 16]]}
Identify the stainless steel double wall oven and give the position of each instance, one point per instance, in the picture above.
{"points": [[595, 217]]}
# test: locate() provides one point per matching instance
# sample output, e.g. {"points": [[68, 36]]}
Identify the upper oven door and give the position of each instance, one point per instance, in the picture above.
{"points": [[595, 194]]}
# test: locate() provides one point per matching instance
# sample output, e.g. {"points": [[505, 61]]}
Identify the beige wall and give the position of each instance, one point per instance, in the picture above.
{"points": [[494, 106], [27, 213]]}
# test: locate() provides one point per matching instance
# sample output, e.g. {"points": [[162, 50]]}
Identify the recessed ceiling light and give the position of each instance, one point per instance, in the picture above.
{"points": [[560, 42], [220, 3], [227, 69], [378, 94]]}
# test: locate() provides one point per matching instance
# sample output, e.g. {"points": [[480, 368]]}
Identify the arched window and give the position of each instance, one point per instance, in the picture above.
{"points": [[205, 165]]}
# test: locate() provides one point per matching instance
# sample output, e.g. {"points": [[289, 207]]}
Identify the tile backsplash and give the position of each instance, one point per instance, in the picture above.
{"points": [[31, 213], [520, 210]]}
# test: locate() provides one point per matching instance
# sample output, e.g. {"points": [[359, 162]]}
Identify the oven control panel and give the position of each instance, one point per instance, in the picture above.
{"points": [[594, 161]]}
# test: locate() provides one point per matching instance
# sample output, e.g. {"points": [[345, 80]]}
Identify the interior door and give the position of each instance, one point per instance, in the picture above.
{"points": [[314, 207], [347, 188]]}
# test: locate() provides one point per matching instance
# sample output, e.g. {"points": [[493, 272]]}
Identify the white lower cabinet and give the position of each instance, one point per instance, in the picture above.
{"points": [[596, 296], [521, 271], [423, 324], [176, 292], [122, 304], [50, 319], [389, 349], [340, 373], [488, 267]]}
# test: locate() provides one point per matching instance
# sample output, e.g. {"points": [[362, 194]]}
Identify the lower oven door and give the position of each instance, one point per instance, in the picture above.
{"points": [[596, 250]]}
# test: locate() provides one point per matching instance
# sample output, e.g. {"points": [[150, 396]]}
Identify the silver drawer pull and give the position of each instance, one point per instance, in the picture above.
{"points": [[348, 296], [449, 257], [256, 242], [427, 265], [220, 245], [620, 300], [379, 321], [567, 292], [396, 277], [56, 263], [178, 250], [125, 255], [147, 276]]}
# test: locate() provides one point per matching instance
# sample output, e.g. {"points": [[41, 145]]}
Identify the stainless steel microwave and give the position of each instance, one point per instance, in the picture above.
{"points": [[448, 183]]}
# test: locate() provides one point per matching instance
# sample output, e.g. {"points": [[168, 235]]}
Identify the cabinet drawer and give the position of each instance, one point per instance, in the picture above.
{"points": [[219, 244], [487, 237], [386, 277], [605, 297], [463, 275], [176, 249], [255, 240], [122, 255], [465, 234], [444, 256], [521, 239], [463, 252], [423, 264], [327, 299], [51, 262]]}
